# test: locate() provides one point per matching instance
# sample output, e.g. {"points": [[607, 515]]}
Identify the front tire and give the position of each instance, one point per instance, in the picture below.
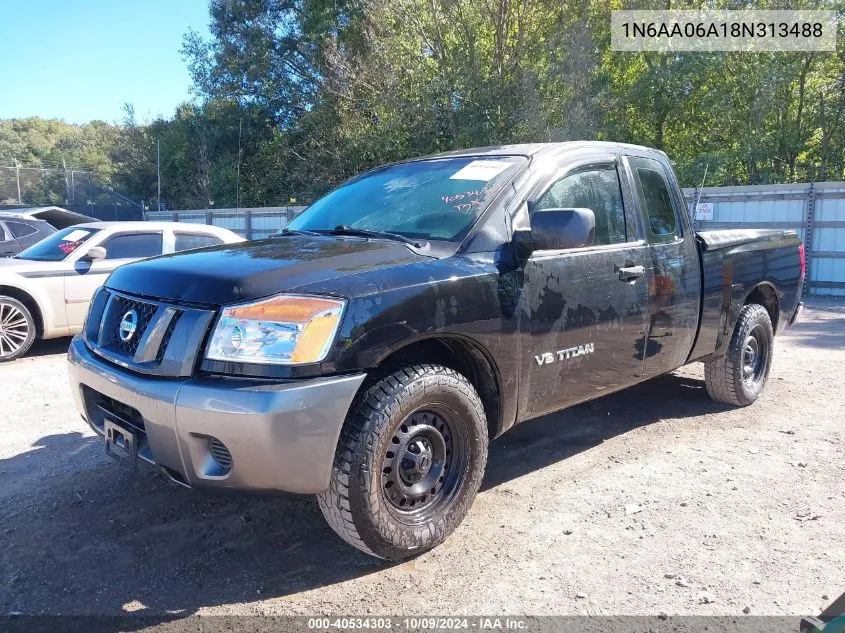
{"points": [[740, 376], [409, 462], [17, 329]]}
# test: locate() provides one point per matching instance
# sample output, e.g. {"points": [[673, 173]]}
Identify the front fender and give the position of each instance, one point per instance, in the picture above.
{"points": [[50, 314]]}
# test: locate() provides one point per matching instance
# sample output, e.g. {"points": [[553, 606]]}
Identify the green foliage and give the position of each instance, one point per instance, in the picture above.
{"points": [[301, 94]]}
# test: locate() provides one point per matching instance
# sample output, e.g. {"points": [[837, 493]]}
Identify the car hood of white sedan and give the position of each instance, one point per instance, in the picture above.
{"points": [[18, 266]]}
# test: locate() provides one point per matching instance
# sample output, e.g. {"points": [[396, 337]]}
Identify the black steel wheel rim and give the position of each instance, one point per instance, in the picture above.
{"points": [[755, 355], [424, 464]]}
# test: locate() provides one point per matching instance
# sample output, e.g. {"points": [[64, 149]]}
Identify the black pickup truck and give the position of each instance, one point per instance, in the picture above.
{"points": [[368, 352]]}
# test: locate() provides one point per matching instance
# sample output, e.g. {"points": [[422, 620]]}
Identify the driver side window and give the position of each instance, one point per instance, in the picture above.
{"points": [[595, 188]]}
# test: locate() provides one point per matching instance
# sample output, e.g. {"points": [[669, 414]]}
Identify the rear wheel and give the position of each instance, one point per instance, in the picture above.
{"points": [[409, 462], [17, 329], [741, 375]]}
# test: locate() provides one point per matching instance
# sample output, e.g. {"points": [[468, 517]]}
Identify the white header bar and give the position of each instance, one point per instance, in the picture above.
{"points": [[723, 30]]}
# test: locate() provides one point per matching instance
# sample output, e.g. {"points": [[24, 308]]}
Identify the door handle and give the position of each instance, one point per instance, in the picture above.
{"points": [[631, 273]]}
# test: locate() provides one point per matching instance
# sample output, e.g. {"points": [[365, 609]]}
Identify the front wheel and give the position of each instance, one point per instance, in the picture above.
{"points": [[740, 376], [409, 462], [17, 329]]}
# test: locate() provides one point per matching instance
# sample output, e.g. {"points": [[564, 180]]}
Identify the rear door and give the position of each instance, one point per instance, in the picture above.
{"points": [[87, 275], [8, 244], [674, 281], [587, 306]]}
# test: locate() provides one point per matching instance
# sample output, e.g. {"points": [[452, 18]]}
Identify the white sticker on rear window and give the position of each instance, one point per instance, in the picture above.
{"points": [[76, 235], [481, 170]]}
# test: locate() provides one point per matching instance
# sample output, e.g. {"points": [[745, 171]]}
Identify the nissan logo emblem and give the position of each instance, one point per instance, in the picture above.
{"points": [[128, 325]]}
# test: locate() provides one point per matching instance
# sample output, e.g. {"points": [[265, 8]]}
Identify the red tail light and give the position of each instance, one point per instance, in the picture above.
{"points": [[803, 259]]}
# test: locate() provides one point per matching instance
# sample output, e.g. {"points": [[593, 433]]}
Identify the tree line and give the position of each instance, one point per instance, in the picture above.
{"points": [[294, 96]]}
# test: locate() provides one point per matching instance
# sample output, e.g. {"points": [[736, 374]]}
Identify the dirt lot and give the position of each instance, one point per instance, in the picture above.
{"points": [[652, 500]]}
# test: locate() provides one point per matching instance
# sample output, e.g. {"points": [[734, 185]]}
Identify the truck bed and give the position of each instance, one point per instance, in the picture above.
{"points": [[733, 263], [715, 240]]}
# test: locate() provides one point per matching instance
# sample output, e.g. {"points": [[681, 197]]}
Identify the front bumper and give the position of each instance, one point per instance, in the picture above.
{"points": [[281, 436]]}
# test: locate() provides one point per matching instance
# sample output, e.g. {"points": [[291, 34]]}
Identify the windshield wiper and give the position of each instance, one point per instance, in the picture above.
{"points": [[345, 229], [295, 232]]}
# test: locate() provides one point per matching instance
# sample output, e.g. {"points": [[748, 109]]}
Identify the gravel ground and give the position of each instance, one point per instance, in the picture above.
{"points": [[652, 500]]}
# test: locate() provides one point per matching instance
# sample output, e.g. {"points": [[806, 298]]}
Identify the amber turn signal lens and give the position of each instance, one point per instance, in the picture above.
{"points": [[314, 337], [283, 309]]}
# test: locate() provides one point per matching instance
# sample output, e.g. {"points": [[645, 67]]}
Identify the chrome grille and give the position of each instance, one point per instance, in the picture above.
{"points": [[145, 311], [167, 339], [168, 334]]}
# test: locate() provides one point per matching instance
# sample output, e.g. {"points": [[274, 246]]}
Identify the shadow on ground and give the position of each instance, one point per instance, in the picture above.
{"points": [[48, 347], [83, 535], [823, 334]]}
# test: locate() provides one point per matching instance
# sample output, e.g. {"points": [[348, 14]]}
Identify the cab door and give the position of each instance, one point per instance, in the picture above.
{"points": [[674, 278], [87, 275], [587, 307]]}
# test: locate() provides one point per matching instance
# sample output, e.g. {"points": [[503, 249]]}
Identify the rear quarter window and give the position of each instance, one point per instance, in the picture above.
{"points": [[657, 202], [20, 229]]}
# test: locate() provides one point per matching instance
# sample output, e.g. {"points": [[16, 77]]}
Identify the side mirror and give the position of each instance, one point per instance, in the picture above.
{"points": [[553, 229], [95, 252]]}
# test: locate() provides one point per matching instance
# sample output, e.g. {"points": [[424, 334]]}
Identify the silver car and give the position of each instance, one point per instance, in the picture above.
{"points": [[46, 289]]}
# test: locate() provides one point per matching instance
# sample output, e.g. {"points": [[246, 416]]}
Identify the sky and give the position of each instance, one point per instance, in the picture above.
{"points": [[82, 60]]}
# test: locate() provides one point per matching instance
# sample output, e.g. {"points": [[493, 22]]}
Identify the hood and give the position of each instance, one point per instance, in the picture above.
{"points": [[13, 265], [250, 270]]}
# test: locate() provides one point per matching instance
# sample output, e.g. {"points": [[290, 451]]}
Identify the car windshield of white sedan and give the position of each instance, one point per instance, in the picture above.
{"points": [[437, 199], [58, 245]]}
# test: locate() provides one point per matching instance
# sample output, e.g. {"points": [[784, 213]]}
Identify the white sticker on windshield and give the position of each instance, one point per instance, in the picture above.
{"points": [[481, 170], [76, 235]]}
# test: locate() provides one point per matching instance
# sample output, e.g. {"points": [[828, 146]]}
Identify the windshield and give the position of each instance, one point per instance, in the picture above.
{"points": [[58, 245], [437, 199]]}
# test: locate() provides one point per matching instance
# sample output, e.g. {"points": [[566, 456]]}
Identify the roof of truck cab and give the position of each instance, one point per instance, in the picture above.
{"points": [[535, 149]]}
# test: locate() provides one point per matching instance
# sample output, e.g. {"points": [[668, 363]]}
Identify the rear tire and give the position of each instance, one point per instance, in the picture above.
{"points": [[740, 376], [409, 462], [17, 329]]}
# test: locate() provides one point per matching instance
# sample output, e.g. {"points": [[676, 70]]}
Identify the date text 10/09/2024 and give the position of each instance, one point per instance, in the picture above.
{"points": [[417, 623]]}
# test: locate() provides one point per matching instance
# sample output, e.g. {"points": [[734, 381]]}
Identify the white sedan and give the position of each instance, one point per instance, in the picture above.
{"points": [[46, 289]]}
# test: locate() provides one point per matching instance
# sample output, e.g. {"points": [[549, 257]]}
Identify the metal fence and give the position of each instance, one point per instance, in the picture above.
{"points": [[815, 210], [74, 189], [253, 223]]}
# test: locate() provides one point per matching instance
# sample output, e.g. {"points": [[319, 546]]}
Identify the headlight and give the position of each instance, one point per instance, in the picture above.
{"points": [[282, 330]]}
